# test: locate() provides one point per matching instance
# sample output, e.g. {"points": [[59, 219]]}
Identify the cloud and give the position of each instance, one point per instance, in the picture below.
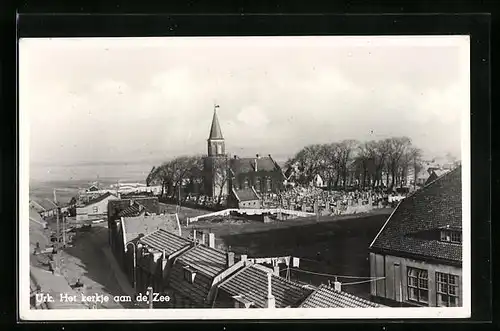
{"points": [[253, 117], [117, 100]]}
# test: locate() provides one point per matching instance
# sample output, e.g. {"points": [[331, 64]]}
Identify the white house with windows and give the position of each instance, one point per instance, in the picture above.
{"points": [[417, 255], [95, 209]]}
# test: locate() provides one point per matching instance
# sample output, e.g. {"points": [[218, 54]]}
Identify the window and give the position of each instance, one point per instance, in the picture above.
{"points": [[96, 209], [451, 236], [418, 285], [446, 290], [189, 274]]}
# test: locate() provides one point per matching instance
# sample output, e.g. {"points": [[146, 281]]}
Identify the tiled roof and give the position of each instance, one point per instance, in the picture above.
{"points": [[215, 131], [244, 165], [252, 285], [150, 203], [209, 261], [116, 206], [47, 204], [99, 198], [135, 226], [246, 195], [132, 211], [436, 205], [326, 297], [35, 216], [162, 240]]}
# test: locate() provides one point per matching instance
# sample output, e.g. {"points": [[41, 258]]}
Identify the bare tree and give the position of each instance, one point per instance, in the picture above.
{"points": [[221, 176]]}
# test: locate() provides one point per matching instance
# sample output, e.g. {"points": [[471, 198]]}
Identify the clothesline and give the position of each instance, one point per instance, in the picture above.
{"points": [[330, 275]]}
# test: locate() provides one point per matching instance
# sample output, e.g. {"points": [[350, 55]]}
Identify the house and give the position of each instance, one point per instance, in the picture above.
{"points": [[256, 286], [128, 208], [194, 274], [131, 229], [327, 297], [45, 207], [37, 218], [417, 255], [33, 204], [154, 258], [244, 199], [96, 208], [318, 181]]}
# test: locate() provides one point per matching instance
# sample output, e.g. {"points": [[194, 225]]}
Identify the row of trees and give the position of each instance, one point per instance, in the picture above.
{"points": [[180, 171], [340, 164], [349, 161]]}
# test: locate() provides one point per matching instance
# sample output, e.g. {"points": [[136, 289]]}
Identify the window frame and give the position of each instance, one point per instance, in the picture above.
{"points": [[450, 236], [417, 286], [95, 209], [445, 283]]}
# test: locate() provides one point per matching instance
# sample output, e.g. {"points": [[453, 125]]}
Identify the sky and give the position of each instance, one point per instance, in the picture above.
{"points": [[97, 101]]}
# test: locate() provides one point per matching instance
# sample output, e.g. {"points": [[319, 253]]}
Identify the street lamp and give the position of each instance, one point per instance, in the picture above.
{"points": [[134, 264]]}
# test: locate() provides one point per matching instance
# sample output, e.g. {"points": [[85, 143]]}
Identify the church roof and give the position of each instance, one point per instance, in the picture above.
{"points": [[215, 131], [244, 165]]}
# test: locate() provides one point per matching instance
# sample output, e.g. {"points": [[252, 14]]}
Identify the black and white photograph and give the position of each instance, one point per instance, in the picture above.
{"points": [[231, 177]]}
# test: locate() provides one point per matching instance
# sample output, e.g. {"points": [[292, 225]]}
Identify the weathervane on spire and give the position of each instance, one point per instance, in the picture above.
{"points": [[216, 105]]}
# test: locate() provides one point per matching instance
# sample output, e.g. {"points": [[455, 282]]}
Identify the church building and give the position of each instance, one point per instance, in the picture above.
{"points": [[225, 175]]}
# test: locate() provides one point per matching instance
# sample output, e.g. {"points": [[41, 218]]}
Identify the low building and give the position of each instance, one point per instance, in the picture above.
{"points": [[131, 229], [194, 275], [327, 297], [45, 207], [417, 255], [129, 207], [256, 286], [245, 199], [95, 209], [155, 254]]}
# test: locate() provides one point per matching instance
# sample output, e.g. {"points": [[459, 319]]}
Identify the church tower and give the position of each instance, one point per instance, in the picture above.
{"points": [[216, 145], [216, 162]]}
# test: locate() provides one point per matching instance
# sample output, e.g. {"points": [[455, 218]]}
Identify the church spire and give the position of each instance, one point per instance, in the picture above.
{"points": [[215, 131]]}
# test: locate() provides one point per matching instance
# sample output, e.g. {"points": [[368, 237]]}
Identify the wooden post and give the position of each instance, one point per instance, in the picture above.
{"points": [[150, 297]]}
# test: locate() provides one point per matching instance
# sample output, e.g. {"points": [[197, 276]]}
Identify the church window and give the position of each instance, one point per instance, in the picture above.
{"points": [[219, 149]]}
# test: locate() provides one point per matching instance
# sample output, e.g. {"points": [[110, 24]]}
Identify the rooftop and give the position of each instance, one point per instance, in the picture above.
{"points": [[436, 205], [327, 297], [100, 198], [251, 285], [215, 131], [164, 241], [134, 227], [246, 194], [244, 165], [209, 261]]}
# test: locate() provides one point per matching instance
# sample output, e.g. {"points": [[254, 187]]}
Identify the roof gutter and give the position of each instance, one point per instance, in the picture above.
{"points": [[385, 224]]}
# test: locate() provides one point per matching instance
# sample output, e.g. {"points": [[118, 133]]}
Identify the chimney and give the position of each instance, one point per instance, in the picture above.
{"points": [[211, 240], [203, 238], [194, 235], [255, 162], [257, 155], [271, 301], [230, 259], [235, 157], [276, 270], [244, 258], [337, 286]]}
